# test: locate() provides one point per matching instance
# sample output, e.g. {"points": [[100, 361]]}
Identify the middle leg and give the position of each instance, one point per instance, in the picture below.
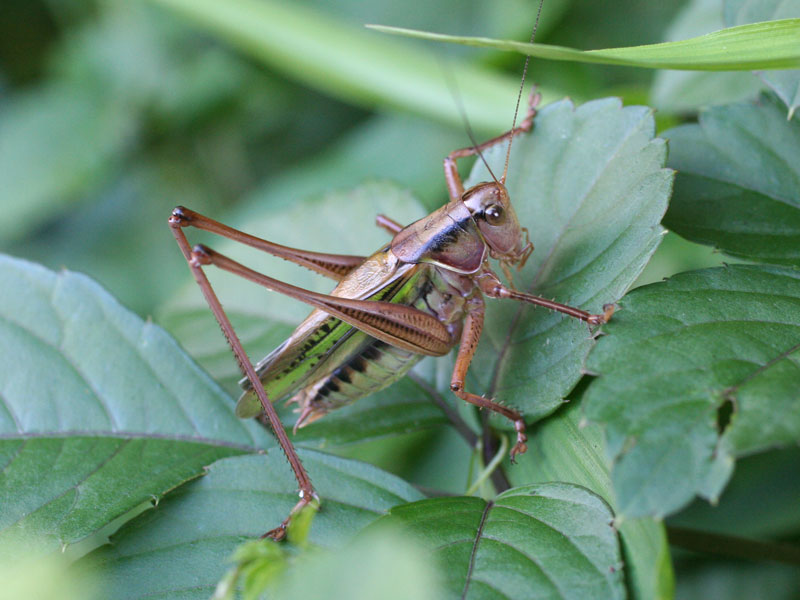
{"points": [[473, 325], [390, 225]]}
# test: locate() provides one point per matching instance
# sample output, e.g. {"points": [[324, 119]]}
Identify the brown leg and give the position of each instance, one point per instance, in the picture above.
{"points": [[492, 287], [388, 224], [334, 266], [473, 325], [303, 481], [454, 184]]}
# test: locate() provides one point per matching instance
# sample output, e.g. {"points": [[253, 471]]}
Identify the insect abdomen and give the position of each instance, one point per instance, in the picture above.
{"points": [[374, 366], [367, 365]]}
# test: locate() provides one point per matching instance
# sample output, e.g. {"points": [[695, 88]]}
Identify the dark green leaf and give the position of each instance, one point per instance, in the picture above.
{"points": [[181, 544], [590, 186], [537, 541], [678, 358], [741, 579], [738, 186], [99, 410], [766, 480]]}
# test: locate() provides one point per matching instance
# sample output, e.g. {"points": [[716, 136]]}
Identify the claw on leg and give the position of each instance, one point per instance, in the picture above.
{"points": [[520, 447], [279, 532], [608, 311]]}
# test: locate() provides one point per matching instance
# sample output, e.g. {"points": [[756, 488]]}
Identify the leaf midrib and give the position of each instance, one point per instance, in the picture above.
{"points": [[127, 435]]}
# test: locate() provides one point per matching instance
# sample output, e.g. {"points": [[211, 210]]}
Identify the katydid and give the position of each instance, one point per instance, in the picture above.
{"points": [[422, 294]]}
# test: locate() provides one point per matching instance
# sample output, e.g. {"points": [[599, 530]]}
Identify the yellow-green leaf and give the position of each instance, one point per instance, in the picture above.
{"points": [[767, 45]]}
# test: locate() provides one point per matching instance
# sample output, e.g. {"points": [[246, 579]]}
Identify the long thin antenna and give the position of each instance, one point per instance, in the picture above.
{"points": [[519, 95], [453, 85]]}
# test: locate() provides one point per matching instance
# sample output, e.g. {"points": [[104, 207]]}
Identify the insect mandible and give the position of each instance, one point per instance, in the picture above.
{"points": [[421, 294]]}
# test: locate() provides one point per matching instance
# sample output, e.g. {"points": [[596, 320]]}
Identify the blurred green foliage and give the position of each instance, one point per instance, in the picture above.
{"points": [[113, 112]]}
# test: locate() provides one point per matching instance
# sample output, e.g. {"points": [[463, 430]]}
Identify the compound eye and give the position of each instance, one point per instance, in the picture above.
{"points": [[494, 214]]}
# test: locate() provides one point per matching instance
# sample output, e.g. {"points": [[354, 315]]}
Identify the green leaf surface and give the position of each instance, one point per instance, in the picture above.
{"points": [[590, 186], [766, 480], [680, 355], [182, 544], [786, 84], [767, 45], [99, 411], [350, 63], [738, 186], [536, 541]]}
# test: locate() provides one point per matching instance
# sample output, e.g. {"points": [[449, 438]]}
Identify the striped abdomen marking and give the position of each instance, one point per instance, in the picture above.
{"points": [[375, 366]]}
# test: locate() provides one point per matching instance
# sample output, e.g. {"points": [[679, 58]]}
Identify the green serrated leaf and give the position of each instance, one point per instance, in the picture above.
{"points": [[675, 355], [99, 411], [767, 45], [590, 186], [181, 545], [738, 186], [535, 541]]}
